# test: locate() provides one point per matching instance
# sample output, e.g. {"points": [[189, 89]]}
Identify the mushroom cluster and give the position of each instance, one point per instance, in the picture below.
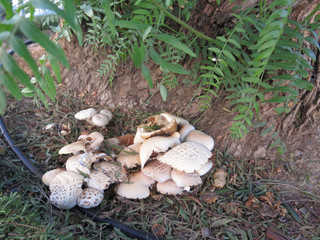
{"points": [[167, 151], [100, 119]]}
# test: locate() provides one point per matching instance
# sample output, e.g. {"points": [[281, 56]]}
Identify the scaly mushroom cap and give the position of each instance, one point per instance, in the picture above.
{"points": [[90, 198], [170, 117], [157, 144], [183, 179], [187, 156], [80, 163], [129, 157], [73, 147], [112, 170], [166, 130], [95, 139], [50, 175], [65, 189], [169, 187], [85, 114], [98, 180], [205, 168], [200, 137], [185, 129], [137, 186], [157, 171]]}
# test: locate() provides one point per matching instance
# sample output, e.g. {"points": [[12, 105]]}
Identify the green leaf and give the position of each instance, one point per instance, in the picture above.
{"points": [[163, 92], [229, 55], [27, 92], [168, 39], [250, 79], [11, 85], [20, 48], [109, 15], [173, 67], [42, 97], [278, 99], [309, 53], [146, 33], [55, 67], [50, 82], [312, 41], [147, 75], [3, 101], [7, 5], [30, 30], [235, 43], [11, 66], [281, 89], [280, 13], [302, 84], [216, 50], [288, 44], [130, 24], [267, 45], [246, 99], [138, 54], [262, 55]]}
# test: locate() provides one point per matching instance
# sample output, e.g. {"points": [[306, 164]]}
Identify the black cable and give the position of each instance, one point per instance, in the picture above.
{"points": [[129, 231]]}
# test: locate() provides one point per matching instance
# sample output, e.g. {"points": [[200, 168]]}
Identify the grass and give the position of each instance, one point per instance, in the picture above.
{"points": [[251, 206]]}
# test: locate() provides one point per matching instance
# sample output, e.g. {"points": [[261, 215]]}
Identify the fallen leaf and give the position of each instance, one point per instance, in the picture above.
{"points": [[209, 197], [158, 229]]}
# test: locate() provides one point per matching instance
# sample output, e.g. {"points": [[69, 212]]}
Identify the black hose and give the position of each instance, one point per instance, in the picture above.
{"points": [[129, 231]]}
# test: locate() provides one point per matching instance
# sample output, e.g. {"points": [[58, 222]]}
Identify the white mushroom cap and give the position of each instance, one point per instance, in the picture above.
{"points": [[85, 114], [107, 113], [50, 175], [138, 138], [157, 144], [112, 170], [185, 130], [98, 180], [200, 137], [205, 168], [100, 120], [137, 186], [95, 139], [187, 156], [169, 187], [73, 147], [65, 189], [183, 179], [90, 198], [157, 171], [170, 117], [129, 157], [79, 163]]}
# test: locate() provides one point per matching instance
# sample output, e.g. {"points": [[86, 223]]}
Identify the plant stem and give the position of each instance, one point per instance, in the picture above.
{"points": [[179, 21]]}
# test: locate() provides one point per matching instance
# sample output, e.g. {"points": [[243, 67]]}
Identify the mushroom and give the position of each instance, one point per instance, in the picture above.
{"points": [[85, 114], [73, 148], [170, 117], [200, 137], [98, 180], [125, 140], [80, 163], [169, 187], [187, 157], [50, 175], [185, 129], [166, 130], [129, 157], [94, 139], [90, 198], [157, 144], [101, 120], [219, 178], [205, 168], [185, 180], [65, 189], [112, 170], [157, 171]]}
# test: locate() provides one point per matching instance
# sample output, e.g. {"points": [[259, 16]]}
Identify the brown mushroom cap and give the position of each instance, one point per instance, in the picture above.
{"points": [[169, 187], [200, 137], [85, 114], [65, 189], [187, 156], [157, 171], [129, 157], [170, 117], [73, 147], [90, 198], [166, 130], [157, 144], [183, 179], [80, 163], [50, 175], [205, 168]]}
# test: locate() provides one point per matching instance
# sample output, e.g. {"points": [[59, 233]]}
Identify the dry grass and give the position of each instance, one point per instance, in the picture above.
{"points": [[251, 206]]}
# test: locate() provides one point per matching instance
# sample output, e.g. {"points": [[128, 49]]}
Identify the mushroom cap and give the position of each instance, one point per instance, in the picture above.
{"points": [[137, 138], [50, 175], [80, 163], [157, 144], [170, 117], [129, 156], [65, 189], [112, 170], [157, 171], [169, 187], [90, 198], [100, 120], [85, 114], [125, 140], [107, 113], [187, 156], [98, 180], [183, 179], [205, 168], [185, 129], [166, 130], [95, 139], [73, 147], [140, 177], [200, 137]]}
